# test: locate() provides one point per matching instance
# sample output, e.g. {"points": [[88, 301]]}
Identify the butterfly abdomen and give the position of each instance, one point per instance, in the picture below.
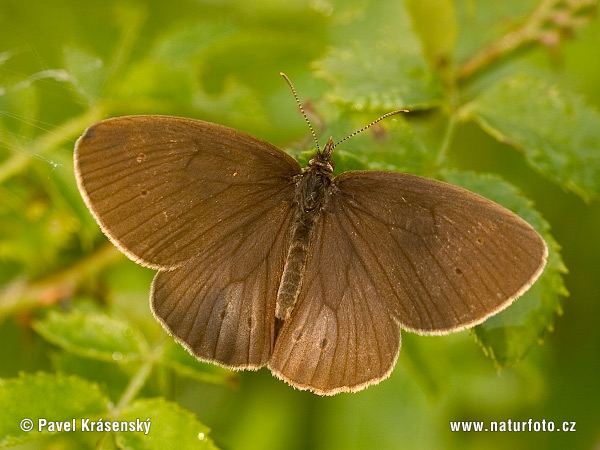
{"points": [[309, 199]]}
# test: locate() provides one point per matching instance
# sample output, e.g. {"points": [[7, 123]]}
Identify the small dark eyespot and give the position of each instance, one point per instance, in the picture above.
{"points": [[458, 271], [144, 193], [323, 343]]}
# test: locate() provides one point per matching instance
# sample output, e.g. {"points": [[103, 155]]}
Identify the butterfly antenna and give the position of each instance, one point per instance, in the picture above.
{"points": [[287, 80], [366, 127]]}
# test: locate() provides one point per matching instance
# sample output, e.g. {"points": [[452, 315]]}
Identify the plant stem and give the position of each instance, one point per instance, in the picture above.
{"points": [[139, 379], [23, 295], [448, 135], [135, 385], [544, 20]]}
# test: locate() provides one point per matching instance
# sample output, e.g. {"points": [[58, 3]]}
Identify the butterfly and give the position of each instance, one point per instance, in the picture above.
{"points": [[263, 263]]}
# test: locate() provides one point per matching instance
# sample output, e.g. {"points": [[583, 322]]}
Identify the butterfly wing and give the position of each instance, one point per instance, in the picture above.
{"points": [[220, 305], [399, 249], [164, 187], [448, 258], [208, 206], [340, 335]]}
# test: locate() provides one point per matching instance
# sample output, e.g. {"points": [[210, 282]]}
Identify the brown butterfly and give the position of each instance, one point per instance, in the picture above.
{"points": [[261, 262]]}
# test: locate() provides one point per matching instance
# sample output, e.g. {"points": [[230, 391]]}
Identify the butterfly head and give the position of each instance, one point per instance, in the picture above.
{"points": [[322, 161]]}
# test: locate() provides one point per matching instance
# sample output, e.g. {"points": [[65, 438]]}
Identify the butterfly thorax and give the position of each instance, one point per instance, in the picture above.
{"points": [[312, 190]]}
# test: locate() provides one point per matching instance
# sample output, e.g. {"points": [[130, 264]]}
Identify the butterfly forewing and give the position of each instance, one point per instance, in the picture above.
{"points": [[164, 187], [441, 257]]}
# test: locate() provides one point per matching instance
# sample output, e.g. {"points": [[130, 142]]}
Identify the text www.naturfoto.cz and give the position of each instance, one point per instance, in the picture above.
{"points": [[513, 426]]}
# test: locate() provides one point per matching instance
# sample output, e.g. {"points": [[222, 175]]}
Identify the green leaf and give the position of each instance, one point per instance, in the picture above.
{"points": [[558, 133], [170, 427], [182, 362], [509, 335], [383, 68], [92, 335], [380, 78], [113, 378], [43, 396], [434, 21]]}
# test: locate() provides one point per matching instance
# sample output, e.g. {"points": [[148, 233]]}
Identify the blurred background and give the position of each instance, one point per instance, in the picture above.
{"points": [[67, 64]]}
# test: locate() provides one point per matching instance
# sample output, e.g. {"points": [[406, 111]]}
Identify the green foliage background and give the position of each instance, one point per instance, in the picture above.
{"points": [[504, 100]]}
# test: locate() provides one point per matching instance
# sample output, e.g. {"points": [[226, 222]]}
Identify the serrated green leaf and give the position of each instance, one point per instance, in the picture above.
{"points": [[170, 427], [92, 335], [434, 21], [383, 68], [556, 130], [509, 335], [379, 78], [44, 396]]}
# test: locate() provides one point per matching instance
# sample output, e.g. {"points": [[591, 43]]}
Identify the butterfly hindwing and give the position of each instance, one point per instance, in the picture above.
{"points": [[221, 304], [340, 335]]}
